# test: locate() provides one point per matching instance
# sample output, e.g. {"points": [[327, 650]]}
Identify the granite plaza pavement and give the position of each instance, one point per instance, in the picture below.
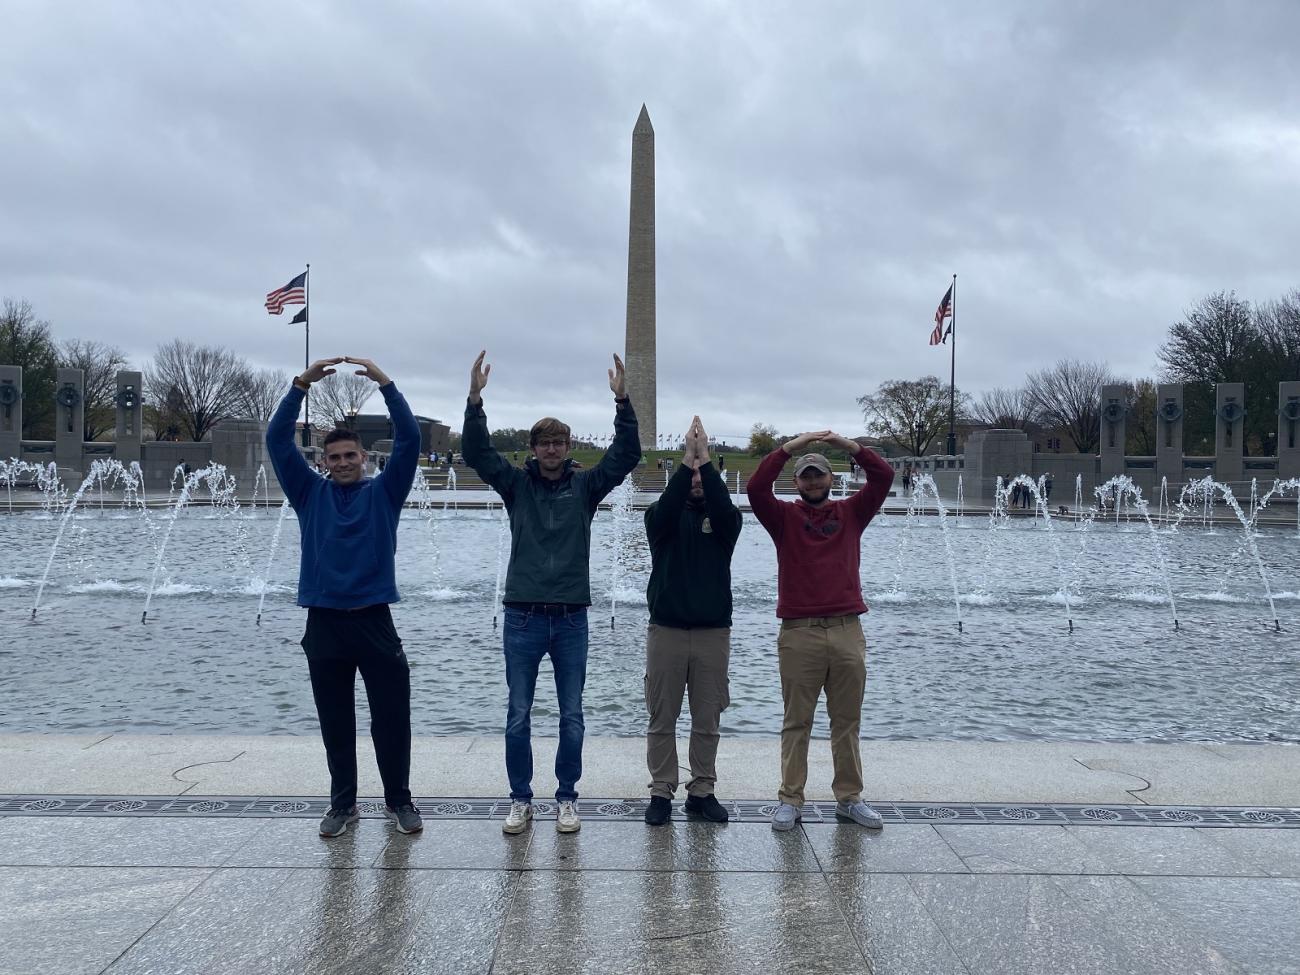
{"points": [[171, 854]]}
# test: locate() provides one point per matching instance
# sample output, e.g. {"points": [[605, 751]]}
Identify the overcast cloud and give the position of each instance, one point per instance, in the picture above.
{"points": [[457, 176]]}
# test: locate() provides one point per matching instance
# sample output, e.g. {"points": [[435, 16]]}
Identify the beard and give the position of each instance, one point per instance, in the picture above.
{"points": [[815, 496]]}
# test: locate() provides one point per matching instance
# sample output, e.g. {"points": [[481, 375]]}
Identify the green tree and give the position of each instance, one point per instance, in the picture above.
{"points": [[1221, 339], [25, 341], [762, 439], [1140, 431]]}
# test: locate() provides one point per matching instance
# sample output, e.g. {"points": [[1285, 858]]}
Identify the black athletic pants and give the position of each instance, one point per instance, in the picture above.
{"points": [[338, 643]]}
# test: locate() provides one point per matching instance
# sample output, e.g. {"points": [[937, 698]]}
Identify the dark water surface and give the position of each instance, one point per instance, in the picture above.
{"points": [[202, 665]]}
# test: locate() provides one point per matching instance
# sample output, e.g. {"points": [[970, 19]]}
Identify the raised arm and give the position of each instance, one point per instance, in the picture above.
{"points": [[398, 474], [625, 451], [724, 516], [291, 468], [661, 518], [475, 443], [866, 501]]}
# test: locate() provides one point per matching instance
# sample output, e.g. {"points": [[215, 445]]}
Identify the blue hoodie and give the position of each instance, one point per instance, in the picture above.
{"points": [[349, 532]]}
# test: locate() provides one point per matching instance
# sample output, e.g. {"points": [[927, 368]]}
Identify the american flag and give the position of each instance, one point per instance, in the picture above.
{"points": [[293, 293], [940, 316]]}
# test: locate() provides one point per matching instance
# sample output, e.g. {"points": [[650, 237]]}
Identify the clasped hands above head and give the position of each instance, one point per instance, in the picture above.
{"points": [[321, 368], [799, 443]]}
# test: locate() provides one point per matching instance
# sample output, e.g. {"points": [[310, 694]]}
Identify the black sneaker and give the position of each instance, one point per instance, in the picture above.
{"points": [[336, 821], [406, 817], [659, 811], [708, 807]]}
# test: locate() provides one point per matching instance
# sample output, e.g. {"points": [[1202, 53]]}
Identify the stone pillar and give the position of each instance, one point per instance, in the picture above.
{"points": [[69, 419], [1114, 411], [1169, 433], [11, 412], [129, 402], [1229, 431], [640, 345], [990, 453], [240, 446], [1288, 430]]}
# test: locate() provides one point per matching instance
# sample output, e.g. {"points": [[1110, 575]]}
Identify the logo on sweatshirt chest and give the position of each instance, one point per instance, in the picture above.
{"points": [[825, 529]]}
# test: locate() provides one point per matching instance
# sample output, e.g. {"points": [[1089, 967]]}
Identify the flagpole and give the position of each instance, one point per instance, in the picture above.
{"points": [[306, 355], [952, 377]]}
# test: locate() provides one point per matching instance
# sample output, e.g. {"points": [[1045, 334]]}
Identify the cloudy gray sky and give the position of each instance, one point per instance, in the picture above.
{"points": [[457, 176]]}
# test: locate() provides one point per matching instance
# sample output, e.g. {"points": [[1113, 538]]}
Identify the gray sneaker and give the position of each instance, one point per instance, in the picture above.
{"points": [[517, 819], [785, 817], [406, 817], [336, 821], [858, 812]]}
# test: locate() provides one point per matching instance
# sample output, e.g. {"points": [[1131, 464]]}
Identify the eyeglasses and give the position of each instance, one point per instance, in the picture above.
{"points": [[552, 444]]}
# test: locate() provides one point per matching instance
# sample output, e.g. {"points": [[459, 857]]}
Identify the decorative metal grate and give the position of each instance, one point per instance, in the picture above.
{"points": [[631, 810]]}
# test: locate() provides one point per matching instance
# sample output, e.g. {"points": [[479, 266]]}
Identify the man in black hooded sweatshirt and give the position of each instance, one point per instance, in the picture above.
{"points": [[692, 530]]}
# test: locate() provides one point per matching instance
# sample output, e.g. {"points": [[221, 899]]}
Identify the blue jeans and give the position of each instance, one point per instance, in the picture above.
{"points": [[530, 636]]}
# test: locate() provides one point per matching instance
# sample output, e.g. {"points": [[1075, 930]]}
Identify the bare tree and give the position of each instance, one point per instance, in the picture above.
{"points": [[196, 385], [1068, 395], [99, 364], [337, 397], [25, 341], [909, 412], [1279, 328], [263, 392], [1006, 409]]}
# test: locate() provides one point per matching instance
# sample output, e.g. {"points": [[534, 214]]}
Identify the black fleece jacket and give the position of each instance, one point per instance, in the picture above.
{"points": [[690, 552]]}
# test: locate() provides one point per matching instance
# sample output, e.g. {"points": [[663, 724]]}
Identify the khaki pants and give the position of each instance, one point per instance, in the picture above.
{"points": [[677, 660], [822, 652]]}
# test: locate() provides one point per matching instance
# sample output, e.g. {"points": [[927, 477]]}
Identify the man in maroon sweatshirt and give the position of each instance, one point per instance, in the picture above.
{"points": [[819, 600]]}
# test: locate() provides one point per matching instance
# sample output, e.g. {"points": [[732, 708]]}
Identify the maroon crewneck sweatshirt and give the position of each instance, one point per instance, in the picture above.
{"points": [[817, 549]]}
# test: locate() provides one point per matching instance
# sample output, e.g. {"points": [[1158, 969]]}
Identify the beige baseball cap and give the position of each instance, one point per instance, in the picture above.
{"points": [[816, 461]]}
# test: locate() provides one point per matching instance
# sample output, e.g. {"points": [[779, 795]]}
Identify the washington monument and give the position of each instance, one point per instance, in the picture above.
{"points": [[639, 352]]}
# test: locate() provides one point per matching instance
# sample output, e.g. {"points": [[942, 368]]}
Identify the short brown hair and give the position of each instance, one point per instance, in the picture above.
{"points": [[341, 433], [547, 426]]}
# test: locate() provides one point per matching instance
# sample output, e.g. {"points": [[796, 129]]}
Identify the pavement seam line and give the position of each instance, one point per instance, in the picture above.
{"points": [[94, 743], [210, 871], [830, 892], [938, 925], [218, 761], [510, 907]]}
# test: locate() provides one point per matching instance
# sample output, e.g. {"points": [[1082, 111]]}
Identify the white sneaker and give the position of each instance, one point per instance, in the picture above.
{"points": [[517, 820], [566, 821]]}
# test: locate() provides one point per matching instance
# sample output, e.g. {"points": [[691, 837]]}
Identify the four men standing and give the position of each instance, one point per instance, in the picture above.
{"points": [[348, 525]]}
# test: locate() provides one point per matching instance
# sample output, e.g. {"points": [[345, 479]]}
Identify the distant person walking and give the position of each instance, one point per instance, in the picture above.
{"points": [[346, 580], [548, 579], [819, 601], [692, 530]]}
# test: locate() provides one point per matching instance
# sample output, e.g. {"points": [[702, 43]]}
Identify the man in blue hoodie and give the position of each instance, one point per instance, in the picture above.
{"points": [[346, 580]]}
